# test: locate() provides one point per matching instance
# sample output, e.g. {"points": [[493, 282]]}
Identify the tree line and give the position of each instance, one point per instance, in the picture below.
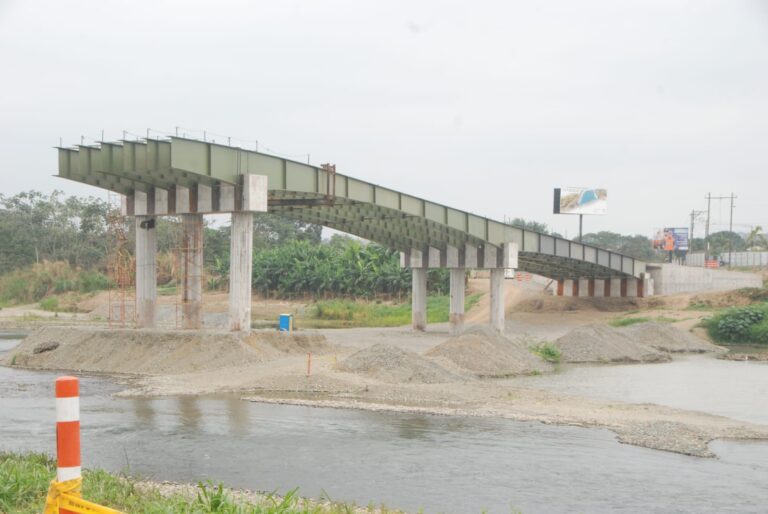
{"points": [[290, 257]]}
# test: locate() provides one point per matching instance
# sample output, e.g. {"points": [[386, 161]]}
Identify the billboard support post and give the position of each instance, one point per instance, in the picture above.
{"points": [[581, 226]]}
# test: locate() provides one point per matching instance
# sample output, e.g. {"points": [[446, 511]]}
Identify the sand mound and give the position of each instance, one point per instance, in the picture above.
{"points": [[391, 364], [486, 353], [153, 352], [666, 338], [599, 343]]}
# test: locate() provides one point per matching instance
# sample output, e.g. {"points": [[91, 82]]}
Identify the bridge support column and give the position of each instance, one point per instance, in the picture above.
{"points": [[192, 271], [497, 299], [240, 271], [419, 299], [146, 272], [456, 314]]}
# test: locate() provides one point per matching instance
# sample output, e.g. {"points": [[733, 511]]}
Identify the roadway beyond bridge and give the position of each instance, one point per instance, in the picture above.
{"points": [[190, 178]]}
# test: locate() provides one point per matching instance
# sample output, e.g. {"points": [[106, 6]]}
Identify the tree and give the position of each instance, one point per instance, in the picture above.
{"points": [[756, 240], [530, 225], [720, 243], [637, 246]]}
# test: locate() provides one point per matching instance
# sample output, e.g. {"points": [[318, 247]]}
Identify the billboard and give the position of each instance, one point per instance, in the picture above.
{"points": [[671, 238], [581, 200]]}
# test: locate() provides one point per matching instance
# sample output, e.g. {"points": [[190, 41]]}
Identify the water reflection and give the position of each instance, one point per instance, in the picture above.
{"points": [[189, 413], [237, 415], [144, 411]]}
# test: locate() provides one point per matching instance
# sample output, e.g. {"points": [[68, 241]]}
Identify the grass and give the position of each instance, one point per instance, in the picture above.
{"points": [[625, 322], [547, 351], [24, 480], [38, 281], [351, 313]]}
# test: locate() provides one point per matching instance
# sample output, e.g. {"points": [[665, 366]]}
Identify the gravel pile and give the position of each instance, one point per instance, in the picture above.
{"points": [[394, 365], [486, 353], [599, 343], [666, 338]]}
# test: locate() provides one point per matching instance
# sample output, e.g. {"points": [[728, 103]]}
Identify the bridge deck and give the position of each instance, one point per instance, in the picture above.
{"points": [[318, 195]]}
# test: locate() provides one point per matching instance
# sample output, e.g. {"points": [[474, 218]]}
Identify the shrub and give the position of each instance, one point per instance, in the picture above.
{"points": [[50, 304], [735, 325], [758, 333], [547, 351]]}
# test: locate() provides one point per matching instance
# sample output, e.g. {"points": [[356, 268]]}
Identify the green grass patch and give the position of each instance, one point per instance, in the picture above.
{"points": [[24, 480], [356, 313], [547, 351], [50, 303], [625, 322]]}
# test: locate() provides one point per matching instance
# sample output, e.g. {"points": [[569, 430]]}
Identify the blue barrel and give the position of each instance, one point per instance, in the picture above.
{"points": [[286, 323]]}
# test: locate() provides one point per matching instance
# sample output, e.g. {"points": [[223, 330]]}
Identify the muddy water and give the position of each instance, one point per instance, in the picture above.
{"points": [[441, 464], [734, 389]]}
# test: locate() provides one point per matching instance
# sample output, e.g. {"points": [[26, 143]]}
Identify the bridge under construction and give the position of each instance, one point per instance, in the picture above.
{"points": [[179, 176]]}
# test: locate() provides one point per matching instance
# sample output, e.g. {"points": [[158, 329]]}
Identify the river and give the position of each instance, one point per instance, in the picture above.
{"points": [[407, 461]]}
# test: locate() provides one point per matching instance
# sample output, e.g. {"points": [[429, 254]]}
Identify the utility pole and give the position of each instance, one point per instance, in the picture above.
{"points": [[709, 198], [706, 230], [730, 235]]}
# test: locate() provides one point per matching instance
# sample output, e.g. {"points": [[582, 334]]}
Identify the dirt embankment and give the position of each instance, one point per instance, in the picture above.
{"points": [[154, 352]]}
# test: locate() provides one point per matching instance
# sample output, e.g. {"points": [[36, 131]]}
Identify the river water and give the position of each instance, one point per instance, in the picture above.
{"points": [[407, 461]]}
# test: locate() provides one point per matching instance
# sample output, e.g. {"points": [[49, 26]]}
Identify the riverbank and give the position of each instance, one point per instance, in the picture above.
{"points": [[391, 369], [25, 479]]}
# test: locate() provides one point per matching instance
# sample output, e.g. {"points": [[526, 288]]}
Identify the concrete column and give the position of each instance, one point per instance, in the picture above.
{"points": [[497, 299], [631, 287], [591, 287], [240, 271], [419, 299], [575, 290], [146, 272], [456, 314], [192, 271], [600, 288], [615, 287], [560, 287]]}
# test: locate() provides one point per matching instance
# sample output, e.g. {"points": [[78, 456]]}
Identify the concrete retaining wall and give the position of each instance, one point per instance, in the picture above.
{"points": [[673, 278], [739, 259]]}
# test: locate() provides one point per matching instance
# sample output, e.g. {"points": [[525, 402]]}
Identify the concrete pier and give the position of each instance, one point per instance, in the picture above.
{"points": [[456, 314], [192, 271], [419, 299], [146, 272], [497, 299], [240, 271]]}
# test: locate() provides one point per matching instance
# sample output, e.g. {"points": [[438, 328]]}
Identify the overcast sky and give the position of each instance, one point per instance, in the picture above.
{"points": [[483, 106]]}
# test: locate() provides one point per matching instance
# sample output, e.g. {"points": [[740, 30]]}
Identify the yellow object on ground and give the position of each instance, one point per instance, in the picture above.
{"points": [[66, 495]]}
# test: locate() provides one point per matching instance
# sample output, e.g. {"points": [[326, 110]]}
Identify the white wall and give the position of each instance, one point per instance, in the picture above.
{"points": [[672, 278]]}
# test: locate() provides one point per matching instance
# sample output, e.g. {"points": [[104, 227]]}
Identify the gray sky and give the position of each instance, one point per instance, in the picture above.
{"points": [[484, 106]]}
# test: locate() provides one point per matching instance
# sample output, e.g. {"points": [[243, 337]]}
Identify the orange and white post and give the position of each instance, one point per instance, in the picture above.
{"points": [[68, 429], [64, 496]]}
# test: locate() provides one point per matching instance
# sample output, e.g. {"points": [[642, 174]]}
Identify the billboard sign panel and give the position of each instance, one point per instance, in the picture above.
{"points": [[671, 239], [581, 200]]}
